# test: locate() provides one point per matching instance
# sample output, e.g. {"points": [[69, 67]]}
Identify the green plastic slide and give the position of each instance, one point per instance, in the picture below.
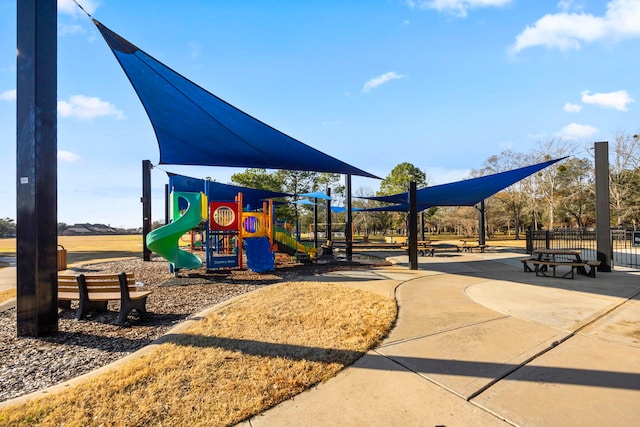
{"points": [[164, 240]]}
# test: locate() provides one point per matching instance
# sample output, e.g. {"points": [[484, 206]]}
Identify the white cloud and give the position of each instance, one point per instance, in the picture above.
{"points": [[575, 131], [68, 7], [572, 108], [569, 5], [67, 156], [380, 80], [87, 108], [457, 8], [616, 100], [566, 31], [9, 95], [71, 29]]}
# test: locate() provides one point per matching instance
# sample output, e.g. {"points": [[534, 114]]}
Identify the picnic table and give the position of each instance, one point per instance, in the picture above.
{"points": [[542, 259]]}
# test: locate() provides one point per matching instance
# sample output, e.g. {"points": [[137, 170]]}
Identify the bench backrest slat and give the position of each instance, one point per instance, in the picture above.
{"points": [[95, 283]]}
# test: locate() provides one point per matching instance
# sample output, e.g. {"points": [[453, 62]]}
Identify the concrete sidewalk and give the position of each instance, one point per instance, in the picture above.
{"points": [[480, 342]]}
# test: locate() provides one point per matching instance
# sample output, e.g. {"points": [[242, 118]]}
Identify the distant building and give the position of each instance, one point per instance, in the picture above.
{"points": [[88, 230]]}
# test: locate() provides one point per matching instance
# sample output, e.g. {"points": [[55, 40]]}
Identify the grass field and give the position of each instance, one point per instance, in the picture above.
{"points": [[89, 248]]}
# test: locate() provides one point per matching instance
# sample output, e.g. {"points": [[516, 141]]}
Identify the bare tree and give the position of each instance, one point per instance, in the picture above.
{"points": [[549, 182], [624, 177]]}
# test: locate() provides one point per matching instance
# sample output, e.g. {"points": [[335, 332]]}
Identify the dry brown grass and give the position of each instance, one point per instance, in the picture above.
{"points": [[84, 248], [240, 360], [8, 294]]}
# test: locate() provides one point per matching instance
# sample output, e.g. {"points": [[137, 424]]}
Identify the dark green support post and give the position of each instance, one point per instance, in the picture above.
{"points": [[348, 231], [413, 227], [603, 213], [36, 169], [146, 207]]}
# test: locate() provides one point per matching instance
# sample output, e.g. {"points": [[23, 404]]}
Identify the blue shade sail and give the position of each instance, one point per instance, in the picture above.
{"points": [[468, 192], [195, 127], [316, 195], [219, 192]]}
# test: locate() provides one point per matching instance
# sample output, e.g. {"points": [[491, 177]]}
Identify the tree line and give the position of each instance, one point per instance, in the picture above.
{"points": [[559, 196]]}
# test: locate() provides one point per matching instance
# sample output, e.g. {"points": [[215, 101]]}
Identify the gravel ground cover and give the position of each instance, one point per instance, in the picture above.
{"points": [[31, 364]]}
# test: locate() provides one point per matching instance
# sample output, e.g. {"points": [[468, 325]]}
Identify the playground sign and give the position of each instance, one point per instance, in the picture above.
{"points": [[220, 261], [636, 238]]}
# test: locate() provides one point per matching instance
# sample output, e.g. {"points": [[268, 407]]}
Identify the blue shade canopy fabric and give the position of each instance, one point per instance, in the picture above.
{"points": [[468, 192], [316, 195], [195, 127], [219, 192]]}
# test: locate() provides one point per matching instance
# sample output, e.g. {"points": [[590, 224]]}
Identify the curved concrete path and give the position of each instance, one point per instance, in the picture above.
{"points": [[480, 342]]}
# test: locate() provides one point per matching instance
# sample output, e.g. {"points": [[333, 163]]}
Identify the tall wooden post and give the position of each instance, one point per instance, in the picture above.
{"points": [[481, 225], [315, 223], [329, 233], [36, 168], [146, 207], [413, 227], [348, 231], [603, 214]]}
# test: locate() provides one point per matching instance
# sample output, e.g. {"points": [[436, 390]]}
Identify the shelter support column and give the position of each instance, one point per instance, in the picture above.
{"points": [[348, 231], [36, 169], [315, 223], [146, 207], [481, 224], [413, 227], [603, 214], [329, 234]]}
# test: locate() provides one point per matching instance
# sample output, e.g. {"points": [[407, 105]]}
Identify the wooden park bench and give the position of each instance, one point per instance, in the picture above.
{"points": [[96, 290]]}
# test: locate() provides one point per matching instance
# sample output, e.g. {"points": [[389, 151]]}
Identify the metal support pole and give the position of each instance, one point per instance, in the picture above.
{"points": [[329, 234], [166, 204], [315, 223], [422, 225], [348, 232], [36, 169], [603, 215], [146, 207], [413, 227], [481, 224]]}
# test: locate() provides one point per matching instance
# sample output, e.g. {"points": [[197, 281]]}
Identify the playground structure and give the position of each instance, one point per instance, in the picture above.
{"points": [[230, 234]]}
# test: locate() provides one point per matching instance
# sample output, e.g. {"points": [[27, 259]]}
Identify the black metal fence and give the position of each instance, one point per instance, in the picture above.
{"points": [[625, 244]]}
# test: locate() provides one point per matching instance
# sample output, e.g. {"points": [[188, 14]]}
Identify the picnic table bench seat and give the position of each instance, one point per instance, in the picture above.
{"points": [[542, 267], [425, 248], [95, 291], [469, 247]]}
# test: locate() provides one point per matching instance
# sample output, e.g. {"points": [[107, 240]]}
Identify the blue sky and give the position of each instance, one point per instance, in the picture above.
{"points": [[443, 84]]}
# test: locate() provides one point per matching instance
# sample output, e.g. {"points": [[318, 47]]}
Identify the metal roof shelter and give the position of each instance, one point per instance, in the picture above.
{"points": [[195, 127]]}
